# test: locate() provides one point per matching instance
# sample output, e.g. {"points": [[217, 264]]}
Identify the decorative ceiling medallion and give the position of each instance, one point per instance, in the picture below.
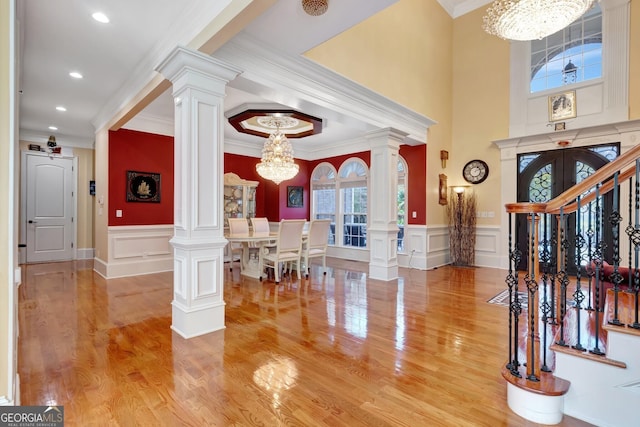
{"points": [[278, 122], [262, 122]]}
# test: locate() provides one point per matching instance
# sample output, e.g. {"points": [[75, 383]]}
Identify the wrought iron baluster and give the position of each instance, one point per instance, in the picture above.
{"points": [[562, 275], [578, 296], [636, 242], [545, 257], [616, 277], [532, 287], [590, 269], [597, 260]]}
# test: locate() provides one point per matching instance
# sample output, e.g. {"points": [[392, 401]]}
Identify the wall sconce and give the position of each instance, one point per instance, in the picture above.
{"points": [[444, 156]]}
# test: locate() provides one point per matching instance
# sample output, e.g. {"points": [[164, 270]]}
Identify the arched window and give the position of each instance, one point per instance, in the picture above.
{"points": [[353, 206], [323, 196], [402, 201], [569, 56]]}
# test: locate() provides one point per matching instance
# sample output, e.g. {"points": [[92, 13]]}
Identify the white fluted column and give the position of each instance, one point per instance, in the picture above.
{"points": [[382, 234], [199, 83]]}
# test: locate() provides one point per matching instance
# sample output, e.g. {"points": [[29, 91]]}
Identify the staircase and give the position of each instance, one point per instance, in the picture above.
{"points": [[565, 355]]}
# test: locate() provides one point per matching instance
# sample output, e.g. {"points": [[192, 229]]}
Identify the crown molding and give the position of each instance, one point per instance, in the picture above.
{"points": [[297, 81], [149, 123]]}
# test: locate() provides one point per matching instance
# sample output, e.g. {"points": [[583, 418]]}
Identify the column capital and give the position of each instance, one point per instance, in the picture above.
{"points": [[382, 137], [182, 60]]}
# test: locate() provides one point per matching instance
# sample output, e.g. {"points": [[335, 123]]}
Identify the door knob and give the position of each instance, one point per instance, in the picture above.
{"points": [[33, 222]]}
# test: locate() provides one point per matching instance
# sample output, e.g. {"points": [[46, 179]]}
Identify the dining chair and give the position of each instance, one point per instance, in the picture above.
{"points": [[237, 226], [316, 243], [260, 225], [288, 246]]}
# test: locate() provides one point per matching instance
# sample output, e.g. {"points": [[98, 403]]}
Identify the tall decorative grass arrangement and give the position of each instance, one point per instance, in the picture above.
{"points": [[461, 212]]}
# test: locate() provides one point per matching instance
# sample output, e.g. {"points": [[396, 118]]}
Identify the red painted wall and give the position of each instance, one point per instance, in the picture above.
{"points": [[271, 199], [143, 152], [416, 158]]}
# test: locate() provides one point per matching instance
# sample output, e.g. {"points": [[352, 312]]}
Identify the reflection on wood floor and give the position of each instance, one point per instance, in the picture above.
{"points": [[335, 350]]}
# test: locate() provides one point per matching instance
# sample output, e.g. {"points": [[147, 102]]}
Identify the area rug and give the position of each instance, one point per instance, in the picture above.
{"points": [[503, 298]]}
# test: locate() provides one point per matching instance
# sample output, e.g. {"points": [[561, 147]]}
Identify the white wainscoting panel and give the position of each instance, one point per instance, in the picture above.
{"points": [[137, 249], [488, 246]]}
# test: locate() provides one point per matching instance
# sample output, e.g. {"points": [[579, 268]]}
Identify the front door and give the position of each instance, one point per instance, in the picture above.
{"points": [[49, 208], [544, 175]]}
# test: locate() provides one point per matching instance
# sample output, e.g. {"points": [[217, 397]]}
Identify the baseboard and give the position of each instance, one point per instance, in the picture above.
{"points": [[85, 253]]}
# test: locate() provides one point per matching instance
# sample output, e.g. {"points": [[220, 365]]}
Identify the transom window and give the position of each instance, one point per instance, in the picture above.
{"points": [[569, 56]]}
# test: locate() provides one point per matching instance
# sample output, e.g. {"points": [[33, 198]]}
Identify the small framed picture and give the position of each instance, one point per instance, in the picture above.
{"points": [[143, 187], [562, 106], [442, 189], [294, 197], [559, 126]]}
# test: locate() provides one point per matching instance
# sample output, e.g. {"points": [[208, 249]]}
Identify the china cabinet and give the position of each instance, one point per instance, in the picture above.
{"points": [[239, 197]]}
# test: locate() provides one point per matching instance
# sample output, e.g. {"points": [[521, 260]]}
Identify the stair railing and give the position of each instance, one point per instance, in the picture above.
{"points": [[547, 280]]}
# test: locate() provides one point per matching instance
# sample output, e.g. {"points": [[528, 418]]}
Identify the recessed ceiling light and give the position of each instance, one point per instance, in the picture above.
{"points": [[100, 17], [53, 128], [61, 108], [75, 75]]}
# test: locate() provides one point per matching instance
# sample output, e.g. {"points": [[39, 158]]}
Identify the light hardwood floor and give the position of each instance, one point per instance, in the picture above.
{"points": [[335, 350]]}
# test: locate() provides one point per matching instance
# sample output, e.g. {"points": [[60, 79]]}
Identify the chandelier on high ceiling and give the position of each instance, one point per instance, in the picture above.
{"points": [[315, 7], [277, 155], [532, 19]]}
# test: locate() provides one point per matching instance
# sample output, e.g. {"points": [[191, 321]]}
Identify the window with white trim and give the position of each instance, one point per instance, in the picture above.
{"points": [[402, 201], [323, 196], [353, 185], [571, 55]]}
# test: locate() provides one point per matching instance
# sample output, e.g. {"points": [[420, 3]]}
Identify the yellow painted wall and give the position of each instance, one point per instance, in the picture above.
{"points": [[480, 107], [634, 62], [100, 217], [404, 53], [6, 183]]}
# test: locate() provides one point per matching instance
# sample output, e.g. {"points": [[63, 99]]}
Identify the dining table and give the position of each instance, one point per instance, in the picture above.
{"points": [[253, 246]]}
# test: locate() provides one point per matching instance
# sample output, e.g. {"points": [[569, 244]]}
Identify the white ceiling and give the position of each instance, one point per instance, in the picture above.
{"points": [[60, 36]]}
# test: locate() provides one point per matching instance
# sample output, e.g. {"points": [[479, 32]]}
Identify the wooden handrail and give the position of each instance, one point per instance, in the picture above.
{"points": [[599, 176], [567, 199]]}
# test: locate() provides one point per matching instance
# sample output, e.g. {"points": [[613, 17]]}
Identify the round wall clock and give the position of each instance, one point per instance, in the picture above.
{"points": [[475, 171]]}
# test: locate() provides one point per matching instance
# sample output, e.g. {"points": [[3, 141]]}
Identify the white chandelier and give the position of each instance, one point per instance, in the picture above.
{"points": [[277, 155], [532, 19]]}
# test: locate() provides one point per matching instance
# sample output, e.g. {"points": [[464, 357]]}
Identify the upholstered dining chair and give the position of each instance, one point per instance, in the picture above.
{"points": [[288, 246], [237, 227], [316, 244], [260, 225]]}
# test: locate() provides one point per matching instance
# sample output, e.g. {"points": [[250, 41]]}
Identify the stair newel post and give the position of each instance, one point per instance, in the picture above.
{"points": [[545, 258], [635, 285], [597, 260], [533, 343], [578, 295], [512, 285], [616, 277], [563, 279]]}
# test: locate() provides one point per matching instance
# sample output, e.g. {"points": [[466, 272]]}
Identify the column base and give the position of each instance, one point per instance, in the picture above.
{"points": [[381, 272], [189, 323]]}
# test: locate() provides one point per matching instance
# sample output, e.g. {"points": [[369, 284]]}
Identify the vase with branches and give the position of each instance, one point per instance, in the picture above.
{"points": [[461, 213]]}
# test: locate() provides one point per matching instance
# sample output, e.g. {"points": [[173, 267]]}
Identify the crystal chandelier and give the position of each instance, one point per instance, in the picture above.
{"points": [[532, 19], [277, 155], [315, 7]]}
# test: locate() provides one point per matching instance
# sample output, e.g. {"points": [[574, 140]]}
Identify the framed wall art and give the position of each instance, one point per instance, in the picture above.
{"points": [[442, 189], [294, 197], [143, 187], [562, 106]]}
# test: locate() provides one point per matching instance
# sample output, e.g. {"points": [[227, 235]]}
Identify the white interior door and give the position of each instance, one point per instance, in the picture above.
{"points": [[49, 208]]}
